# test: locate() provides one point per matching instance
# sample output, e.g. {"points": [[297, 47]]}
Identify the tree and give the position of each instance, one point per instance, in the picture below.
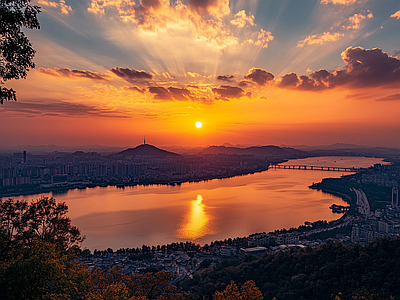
{"points": [[21, 223], [16, 52], [42, 273], [249, 291]]}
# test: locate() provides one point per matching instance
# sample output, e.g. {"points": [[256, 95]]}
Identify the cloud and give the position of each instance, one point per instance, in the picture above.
{"points": [[320, 38], [64, 8], [395, 97], [134, 89], [396, 15], [179, 93], [292, 81], [259, 76], [226, 77], [355, 21], [217, 8], [241, 19], [340, 2], [190, 93], [225, 92], [364, 68], [207, 21], [160, 93], [200, 18], [131, 75], [73, 73], [244, 83], [61, 109], [263, 38]]}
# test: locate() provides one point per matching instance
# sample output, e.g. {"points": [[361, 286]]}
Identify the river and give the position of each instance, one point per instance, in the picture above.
{"points": [[205, 211]]}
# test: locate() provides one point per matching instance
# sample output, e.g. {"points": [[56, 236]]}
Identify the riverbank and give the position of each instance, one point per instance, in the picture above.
{"points": [[27, 190]]}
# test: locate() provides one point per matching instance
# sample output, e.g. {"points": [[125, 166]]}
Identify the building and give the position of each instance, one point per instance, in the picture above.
{"points": [[253, 251], [395, 198]]}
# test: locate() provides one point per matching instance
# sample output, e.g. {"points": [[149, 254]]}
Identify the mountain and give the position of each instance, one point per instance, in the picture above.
{"points": [[255, 150], [144, 149]]}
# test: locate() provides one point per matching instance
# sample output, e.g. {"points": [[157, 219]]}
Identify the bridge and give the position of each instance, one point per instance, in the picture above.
{"points": [[318, 168]]}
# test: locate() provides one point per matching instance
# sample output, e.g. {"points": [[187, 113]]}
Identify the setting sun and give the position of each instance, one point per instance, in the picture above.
{"points": [[199, 124]]}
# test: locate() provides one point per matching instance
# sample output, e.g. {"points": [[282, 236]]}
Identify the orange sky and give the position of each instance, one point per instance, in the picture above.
{"points": [[253, 72]]}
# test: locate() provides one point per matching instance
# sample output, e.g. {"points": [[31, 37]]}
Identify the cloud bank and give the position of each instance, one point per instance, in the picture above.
{"points": [[73, 73], [364, 68]]}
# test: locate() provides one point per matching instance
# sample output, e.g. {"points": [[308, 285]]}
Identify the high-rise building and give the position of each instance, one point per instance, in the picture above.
{"points": [[395, 197], [24, 157]]}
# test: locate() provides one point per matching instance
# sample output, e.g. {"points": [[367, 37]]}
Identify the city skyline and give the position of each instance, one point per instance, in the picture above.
{"points": [[310, 72]]}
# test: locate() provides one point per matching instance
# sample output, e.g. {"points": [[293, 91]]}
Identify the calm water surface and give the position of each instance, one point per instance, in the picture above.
{"points": [[205, 211]]}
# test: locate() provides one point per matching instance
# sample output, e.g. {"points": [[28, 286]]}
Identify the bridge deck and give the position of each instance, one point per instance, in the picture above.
{"points": [[320, 168]]}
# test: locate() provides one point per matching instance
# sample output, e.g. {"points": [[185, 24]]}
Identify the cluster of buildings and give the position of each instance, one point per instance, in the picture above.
{"points": [[179, 263], [382, 175], [380, 223], [64, 169]]}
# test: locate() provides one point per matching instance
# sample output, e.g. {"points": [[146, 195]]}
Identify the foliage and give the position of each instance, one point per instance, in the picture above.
{"points": [[45, 273], [312, 273], [21, 223], [249, 291], [16, 52], [42, 273], [36, 261]]}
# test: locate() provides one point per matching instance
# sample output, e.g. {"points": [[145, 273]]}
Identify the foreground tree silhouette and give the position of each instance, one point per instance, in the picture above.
{"points": [[16, 52], [21, 223]]}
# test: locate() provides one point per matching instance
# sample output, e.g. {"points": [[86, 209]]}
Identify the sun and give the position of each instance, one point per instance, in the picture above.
{"points": [[199, 124]]}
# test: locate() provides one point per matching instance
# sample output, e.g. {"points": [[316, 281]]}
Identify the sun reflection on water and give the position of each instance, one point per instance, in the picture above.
{"points": [[196, 224]]}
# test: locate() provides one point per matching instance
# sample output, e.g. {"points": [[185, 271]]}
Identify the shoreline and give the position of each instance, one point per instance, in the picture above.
{"points": [[86, 185]]}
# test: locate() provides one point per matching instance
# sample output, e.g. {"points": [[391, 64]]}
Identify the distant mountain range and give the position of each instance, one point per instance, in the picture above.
{"points": [[143, 149], [259, 150]]}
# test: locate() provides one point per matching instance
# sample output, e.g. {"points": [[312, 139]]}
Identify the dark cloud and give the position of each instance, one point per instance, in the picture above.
{"points": [[244, 83], [131, 75], [259, 76], [176, 94], [135, 89], [228, 92], [73, 73], [289, 80], [60, 109], [179, 94], [160, 93], [364, 68], [226, 77], [395, 97], [172, 93]]}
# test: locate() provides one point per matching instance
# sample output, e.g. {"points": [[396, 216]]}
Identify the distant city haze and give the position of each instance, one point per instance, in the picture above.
{"points": [[204, 211]]}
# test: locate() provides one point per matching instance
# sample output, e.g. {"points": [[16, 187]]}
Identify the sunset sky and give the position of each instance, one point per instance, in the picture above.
{"points": [[264, 72]]}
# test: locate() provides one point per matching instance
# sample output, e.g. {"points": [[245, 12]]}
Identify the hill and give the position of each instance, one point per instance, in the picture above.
{"points": [[143, 150]]}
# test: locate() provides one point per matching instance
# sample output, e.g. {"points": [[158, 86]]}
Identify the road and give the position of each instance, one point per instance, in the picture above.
{"points": [[362, 202]]}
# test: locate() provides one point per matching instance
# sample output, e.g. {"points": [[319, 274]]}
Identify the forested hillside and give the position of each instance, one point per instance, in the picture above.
{"points": [[345, 271]]}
